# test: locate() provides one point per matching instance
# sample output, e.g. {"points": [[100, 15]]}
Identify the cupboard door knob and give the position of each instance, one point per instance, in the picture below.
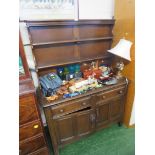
{"points": [[36, 126], [120, 91], [61, 110], [92, 118], [103, 97]]}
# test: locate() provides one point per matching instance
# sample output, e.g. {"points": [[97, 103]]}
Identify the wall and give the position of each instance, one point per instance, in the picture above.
{"points": [[96, 9], [125, 28]]}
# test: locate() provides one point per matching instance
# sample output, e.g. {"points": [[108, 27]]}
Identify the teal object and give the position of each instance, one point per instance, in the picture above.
{"points": [[71, 69], [66, 70], [66, 73], [77, 68]]}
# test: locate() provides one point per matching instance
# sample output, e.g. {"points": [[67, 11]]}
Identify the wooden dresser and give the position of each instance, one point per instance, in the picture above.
{"points": [[60, 43], [70, 119], [31, 135]]}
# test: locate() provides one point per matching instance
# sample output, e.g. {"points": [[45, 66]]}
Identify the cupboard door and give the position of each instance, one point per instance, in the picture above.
{"points": [[102, 113], [116, 108], [85, 122], [65, 129]]}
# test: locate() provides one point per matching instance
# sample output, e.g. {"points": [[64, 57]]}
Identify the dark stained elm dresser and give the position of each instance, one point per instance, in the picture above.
{"points": [[59, 43]]}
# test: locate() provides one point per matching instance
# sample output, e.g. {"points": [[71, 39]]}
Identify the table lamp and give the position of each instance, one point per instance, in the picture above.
{"points": [[122, 49]]}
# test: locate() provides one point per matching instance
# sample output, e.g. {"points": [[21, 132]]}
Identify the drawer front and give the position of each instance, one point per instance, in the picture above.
{"points": [[71, 106], [106, 95], [27, 109], [43, 151], [30, 130], [32, 145]]}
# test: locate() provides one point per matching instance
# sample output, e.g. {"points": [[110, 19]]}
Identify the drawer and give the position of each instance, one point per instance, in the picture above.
{"points": [[27, 109], [28, 131], [106, 95], [32, 145], [71, 106], [43, 151]]}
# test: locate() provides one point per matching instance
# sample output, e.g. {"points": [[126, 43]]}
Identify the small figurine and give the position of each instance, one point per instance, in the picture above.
{"points": [[52, 98]]}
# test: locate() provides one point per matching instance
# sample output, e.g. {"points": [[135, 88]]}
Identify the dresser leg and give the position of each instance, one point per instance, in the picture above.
{"points": [[56, 151], [120, 124]]}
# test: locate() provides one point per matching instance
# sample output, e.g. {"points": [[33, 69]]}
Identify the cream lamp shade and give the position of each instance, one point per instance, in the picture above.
{"points": [[122, 49]]}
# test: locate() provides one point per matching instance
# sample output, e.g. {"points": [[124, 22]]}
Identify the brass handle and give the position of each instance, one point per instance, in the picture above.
{"points": [[36, 126], [84, 103], [61, 110], [103, 97]]}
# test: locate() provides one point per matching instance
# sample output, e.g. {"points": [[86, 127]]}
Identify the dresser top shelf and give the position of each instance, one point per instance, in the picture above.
{"points": [[57, 43]]}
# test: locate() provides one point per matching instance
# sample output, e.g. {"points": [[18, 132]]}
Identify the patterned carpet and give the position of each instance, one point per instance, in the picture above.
{"points": [[110, 141]]}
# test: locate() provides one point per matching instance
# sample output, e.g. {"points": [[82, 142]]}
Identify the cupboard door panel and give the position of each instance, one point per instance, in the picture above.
{"points": [[116, 108], [85, 122], [65, 129], [102, 112]]}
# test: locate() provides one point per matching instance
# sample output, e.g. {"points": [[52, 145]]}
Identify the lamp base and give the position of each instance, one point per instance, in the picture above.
{"points": [[120, 67], [119, 75]]}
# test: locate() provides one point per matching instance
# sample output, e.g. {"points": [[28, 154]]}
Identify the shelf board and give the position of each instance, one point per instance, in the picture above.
{"points": [[71, 41], [53, 43], [70, 61], [43, 23]]}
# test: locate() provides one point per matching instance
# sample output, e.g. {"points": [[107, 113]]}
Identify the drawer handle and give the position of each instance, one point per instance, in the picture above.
{"points": [[61, 110], [103, 97], [120, 91], [36, 126], [84, 103]]}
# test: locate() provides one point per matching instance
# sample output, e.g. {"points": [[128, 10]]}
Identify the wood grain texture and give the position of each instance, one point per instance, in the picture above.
{"points": [[30, 130], [31, 134], [77, 40], [125, 28], [33, 145], [83, 115], [27, 109]]}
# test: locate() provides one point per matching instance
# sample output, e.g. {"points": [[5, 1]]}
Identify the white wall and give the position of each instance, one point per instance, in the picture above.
{"points": [[96, 9]]}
